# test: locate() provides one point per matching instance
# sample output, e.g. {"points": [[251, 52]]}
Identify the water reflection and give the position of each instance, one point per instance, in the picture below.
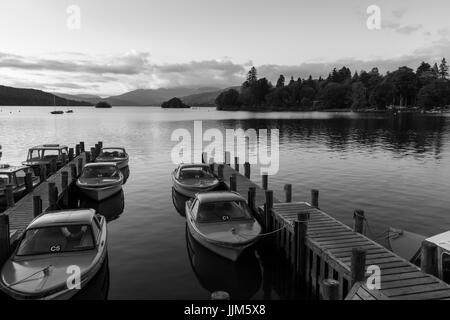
{"points": [[110, 208], [241, 279], [98, 287], [179, 202]]}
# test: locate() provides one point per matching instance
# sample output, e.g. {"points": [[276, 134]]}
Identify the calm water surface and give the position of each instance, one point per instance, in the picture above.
{"points": [[395, 168]]}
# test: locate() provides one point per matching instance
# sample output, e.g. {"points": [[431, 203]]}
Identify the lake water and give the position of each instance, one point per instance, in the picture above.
{"points": [[396, 168]]}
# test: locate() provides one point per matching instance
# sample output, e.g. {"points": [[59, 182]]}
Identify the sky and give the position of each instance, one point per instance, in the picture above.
{"points": [[115, 46]]}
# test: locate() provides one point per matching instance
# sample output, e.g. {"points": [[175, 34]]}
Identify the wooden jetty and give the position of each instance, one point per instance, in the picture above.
{"points": [[49, 195], [328, 257]]}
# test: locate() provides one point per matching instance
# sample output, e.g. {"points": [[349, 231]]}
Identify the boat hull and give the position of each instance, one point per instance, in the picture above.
{"points": [[99, 194], [191, 190]]}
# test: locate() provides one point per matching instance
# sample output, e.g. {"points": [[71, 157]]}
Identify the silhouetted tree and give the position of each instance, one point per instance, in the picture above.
{"points": [[443, 69]]}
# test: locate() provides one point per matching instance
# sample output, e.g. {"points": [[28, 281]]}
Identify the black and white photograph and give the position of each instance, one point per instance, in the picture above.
{"points": [[225, 155]]}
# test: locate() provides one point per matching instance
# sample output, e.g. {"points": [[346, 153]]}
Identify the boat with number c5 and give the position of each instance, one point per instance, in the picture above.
{"points": [[54, 246]]}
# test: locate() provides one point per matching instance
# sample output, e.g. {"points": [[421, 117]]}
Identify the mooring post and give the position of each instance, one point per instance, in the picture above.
{"points": [[64, 159], [80, 166], [43, 172], [9, 194], [29, 182], [94, 154], [265, 181], [65, 187], [52, 195], [315, 198], [204, 155], [358, 221], [358, 268], [227, 158], [73, 171], [82, 149], [288, 192], [4, 239], [220, 295], [268, 211], [330, 289], [233, 182], [251, 197], [300, 231], [77, 150], [70, 154], [37, 206], [247, 170], [236, 164], [88, 156], [220, 172], [212, 165], [429, 258], [100, 145], [53, 166]]}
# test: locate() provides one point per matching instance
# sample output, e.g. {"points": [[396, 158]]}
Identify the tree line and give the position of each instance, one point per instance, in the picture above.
{"points": [[426, 88]]}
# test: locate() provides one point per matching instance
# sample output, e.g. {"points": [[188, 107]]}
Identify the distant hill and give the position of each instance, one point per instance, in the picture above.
{"points": [[10, 96], [204, 99], [80, 97], [154, 97]]}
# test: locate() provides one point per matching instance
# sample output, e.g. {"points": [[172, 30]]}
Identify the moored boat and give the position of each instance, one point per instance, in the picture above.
{"points": [[43, 155], [54, 246], [14, 176], [222, 222], [189, 179], [116, 155], [100, 180]]}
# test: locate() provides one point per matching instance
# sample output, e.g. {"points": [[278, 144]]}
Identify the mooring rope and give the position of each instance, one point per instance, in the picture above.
{"points": [[261, 234]]}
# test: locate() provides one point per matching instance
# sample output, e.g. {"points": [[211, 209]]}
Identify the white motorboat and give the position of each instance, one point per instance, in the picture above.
{"points": [[100, 180], [53, 247], [189, 179], [222, 222], [117, 155]]}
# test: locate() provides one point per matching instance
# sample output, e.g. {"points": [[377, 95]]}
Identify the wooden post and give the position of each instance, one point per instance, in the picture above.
{"points": [[4, 239], [97, 149], [73, 171], [251, 198], [212, 165], [70, 154], [247, 170], [29, 182], [330, 289], [300, 231], [315, 198], [265, 181], [53, 166], [288, 192], [204, 155], [80, 166], [429, 258], [94, 154], [268, 210], [37, 206], [63, 159], [100, 145], [88, 156], [358, 267], [220, 295], [65, 187], [358, 221], [77, 150], [220, 172], [236, 164], [9, 194], [43, 172], [52, 195], [233, 183], [82, 149], [227, 159]]}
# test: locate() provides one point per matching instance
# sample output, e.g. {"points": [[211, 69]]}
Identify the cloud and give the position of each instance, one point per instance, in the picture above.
{"points": [[402, 29]]}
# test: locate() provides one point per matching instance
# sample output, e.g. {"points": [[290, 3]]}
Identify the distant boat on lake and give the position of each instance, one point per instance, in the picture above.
{"points": [[56, 111], [103, 104]]}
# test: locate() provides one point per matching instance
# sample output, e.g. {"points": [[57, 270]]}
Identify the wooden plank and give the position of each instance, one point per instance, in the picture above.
{"points": [[432, 295], [407, 282], [414, 289]]}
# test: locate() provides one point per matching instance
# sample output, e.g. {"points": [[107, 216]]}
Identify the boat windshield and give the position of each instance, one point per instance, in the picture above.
{"points": [[101, 172], [34, 154], [50, 153], [195, 173], [4, 180], [222, 211], [113, 153], [57, 239]]}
